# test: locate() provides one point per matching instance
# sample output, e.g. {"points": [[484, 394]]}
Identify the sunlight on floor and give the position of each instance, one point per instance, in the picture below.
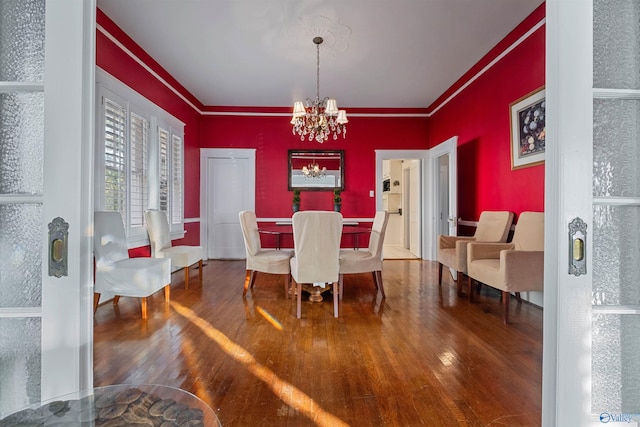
{"points": [[285, 391]]}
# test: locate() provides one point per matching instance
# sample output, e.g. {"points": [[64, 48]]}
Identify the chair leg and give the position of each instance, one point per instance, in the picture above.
{"points": [[518, 298], [96, 300], [143, 307], [341, 285], [379, 285], [247, 280], [440, 273], [469, 288], [287, 285], [116, 298], [167, 293], [299, 302], [375, 279], [186, 277], [254, 273], [200, 271], [506, 296], [336, 296]]}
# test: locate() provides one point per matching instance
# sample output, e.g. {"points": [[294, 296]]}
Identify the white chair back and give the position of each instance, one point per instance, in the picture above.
{"points": [[316, 239], [378, 229], [249, 225], [158, 229], [109, 243]]}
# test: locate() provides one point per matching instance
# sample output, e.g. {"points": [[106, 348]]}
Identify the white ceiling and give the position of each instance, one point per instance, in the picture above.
{"points": [[376, 53]]}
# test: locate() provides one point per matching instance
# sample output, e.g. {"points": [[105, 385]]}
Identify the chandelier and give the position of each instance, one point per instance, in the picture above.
{"points": [[313, 171], [319, 118]]}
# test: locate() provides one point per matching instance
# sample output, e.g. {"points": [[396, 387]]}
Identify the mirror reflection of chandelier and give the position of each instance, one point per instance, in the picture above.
{"points": [[319, 118], [313, 171]]}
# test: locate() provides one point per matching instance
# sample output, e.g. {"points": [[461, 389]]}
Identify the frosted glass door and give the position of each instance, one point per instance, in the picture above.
{"points": [[615, 388], [46, 140], [22, 34]]}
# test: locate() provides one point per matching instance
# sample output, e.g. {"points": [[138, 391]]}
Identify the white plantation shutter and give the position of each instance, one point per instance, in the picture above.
{"points": [[163, 141], [115, 149], [139, 146], [139, 159], [177, 180]]}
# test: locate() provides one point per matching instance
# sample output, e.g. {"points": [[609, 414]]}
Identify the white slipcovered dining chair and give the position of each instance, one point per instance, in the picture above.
{"points": [[353, 261], [118, 275], [182, 256], [316, 242], [269, 261]]}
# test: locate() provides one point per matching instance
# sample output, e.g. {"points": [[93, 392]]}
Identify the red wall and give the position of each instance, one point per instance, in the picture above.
{"points": [[272, 138], [479, 116], [116, 62]]}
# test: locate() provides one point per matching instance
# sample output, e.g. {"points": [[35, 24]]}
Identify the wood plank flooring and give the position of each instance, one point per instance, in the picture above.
{"points": [[420, 357]]}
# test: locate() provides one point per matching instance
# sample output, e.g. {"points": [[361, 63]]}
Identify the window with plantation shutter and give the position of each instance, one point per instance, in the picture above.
{"points": [[177, 180], [115, 149], [139, 159], [138, 149]]}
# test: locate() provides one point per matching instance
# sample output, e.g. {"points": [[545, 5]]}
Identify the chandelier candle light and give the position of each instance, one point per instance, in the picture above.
{"points": [[320, 117], [314, 171]]}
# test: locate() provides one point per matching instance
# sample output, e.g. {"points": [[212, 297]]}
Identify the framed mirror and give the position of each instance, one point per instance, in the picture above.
{"points": [[316, 170]]}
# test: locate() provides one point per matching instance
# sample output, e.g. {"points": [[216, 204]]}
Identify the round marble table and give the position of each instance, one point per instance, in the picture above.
{"points": [[120, 405]]}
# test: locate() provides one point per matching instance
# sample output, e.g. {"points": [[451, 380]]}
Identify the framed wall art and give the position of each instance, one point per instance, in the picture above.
{"points": [[528, 130]]}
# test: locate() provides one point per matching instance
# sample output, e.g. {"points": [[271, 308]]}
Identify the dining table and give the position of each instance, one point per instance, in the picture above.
{"points": [[286, 229]]}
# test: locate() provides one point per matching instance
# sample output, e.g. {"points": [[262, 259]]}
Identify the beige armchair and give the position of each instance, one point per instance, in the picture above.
{"points": [[182, 256], [316, 242], [511, 267], [493, 226], [269, 261], [118, 275], [352, 262]]}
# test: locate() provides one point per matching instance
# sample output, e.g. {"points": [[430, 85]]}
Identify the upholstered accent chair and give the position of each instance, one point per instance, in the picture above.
{"points": [[269, 261], [182, 256], [316, 242], [354, 261], [118, 275], [512, 267], [493, 226]]}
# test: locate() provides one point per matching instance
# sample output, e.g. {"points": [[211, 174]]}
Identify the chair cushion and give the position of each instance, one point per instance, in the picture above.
{"points": [[133, 277], [182, 256], [271, 261], [353, 261]]}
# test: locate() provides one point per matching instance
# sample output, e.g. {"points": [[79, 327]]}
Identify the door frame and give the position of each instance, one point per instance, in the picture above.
{"points": [[207, 154], [448, 147], [422, 156]]}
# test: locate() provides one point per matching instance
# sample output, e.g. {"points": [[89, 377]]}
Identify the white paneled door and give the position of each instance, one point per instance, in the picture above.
{"points": [[228, 187], [47, 62], [591, 361]]}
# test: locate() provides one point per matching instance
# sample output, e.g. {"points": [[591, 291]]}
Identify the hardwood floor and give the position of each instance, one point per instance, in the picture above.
{"points": [[420, 357]]}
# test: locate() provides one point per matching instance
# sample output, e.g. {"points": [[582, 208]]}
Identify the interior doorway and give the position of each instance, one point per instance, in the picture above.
{"points": [[401, 238]]}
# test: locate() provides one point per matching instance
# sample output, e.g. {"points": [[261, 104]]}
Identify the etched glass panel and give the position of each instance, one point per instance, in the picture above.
{"points": [[21, 142], [20, 370], [616, 364], [22, 40], [616, 152], [616, 33], [20, 256]]}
